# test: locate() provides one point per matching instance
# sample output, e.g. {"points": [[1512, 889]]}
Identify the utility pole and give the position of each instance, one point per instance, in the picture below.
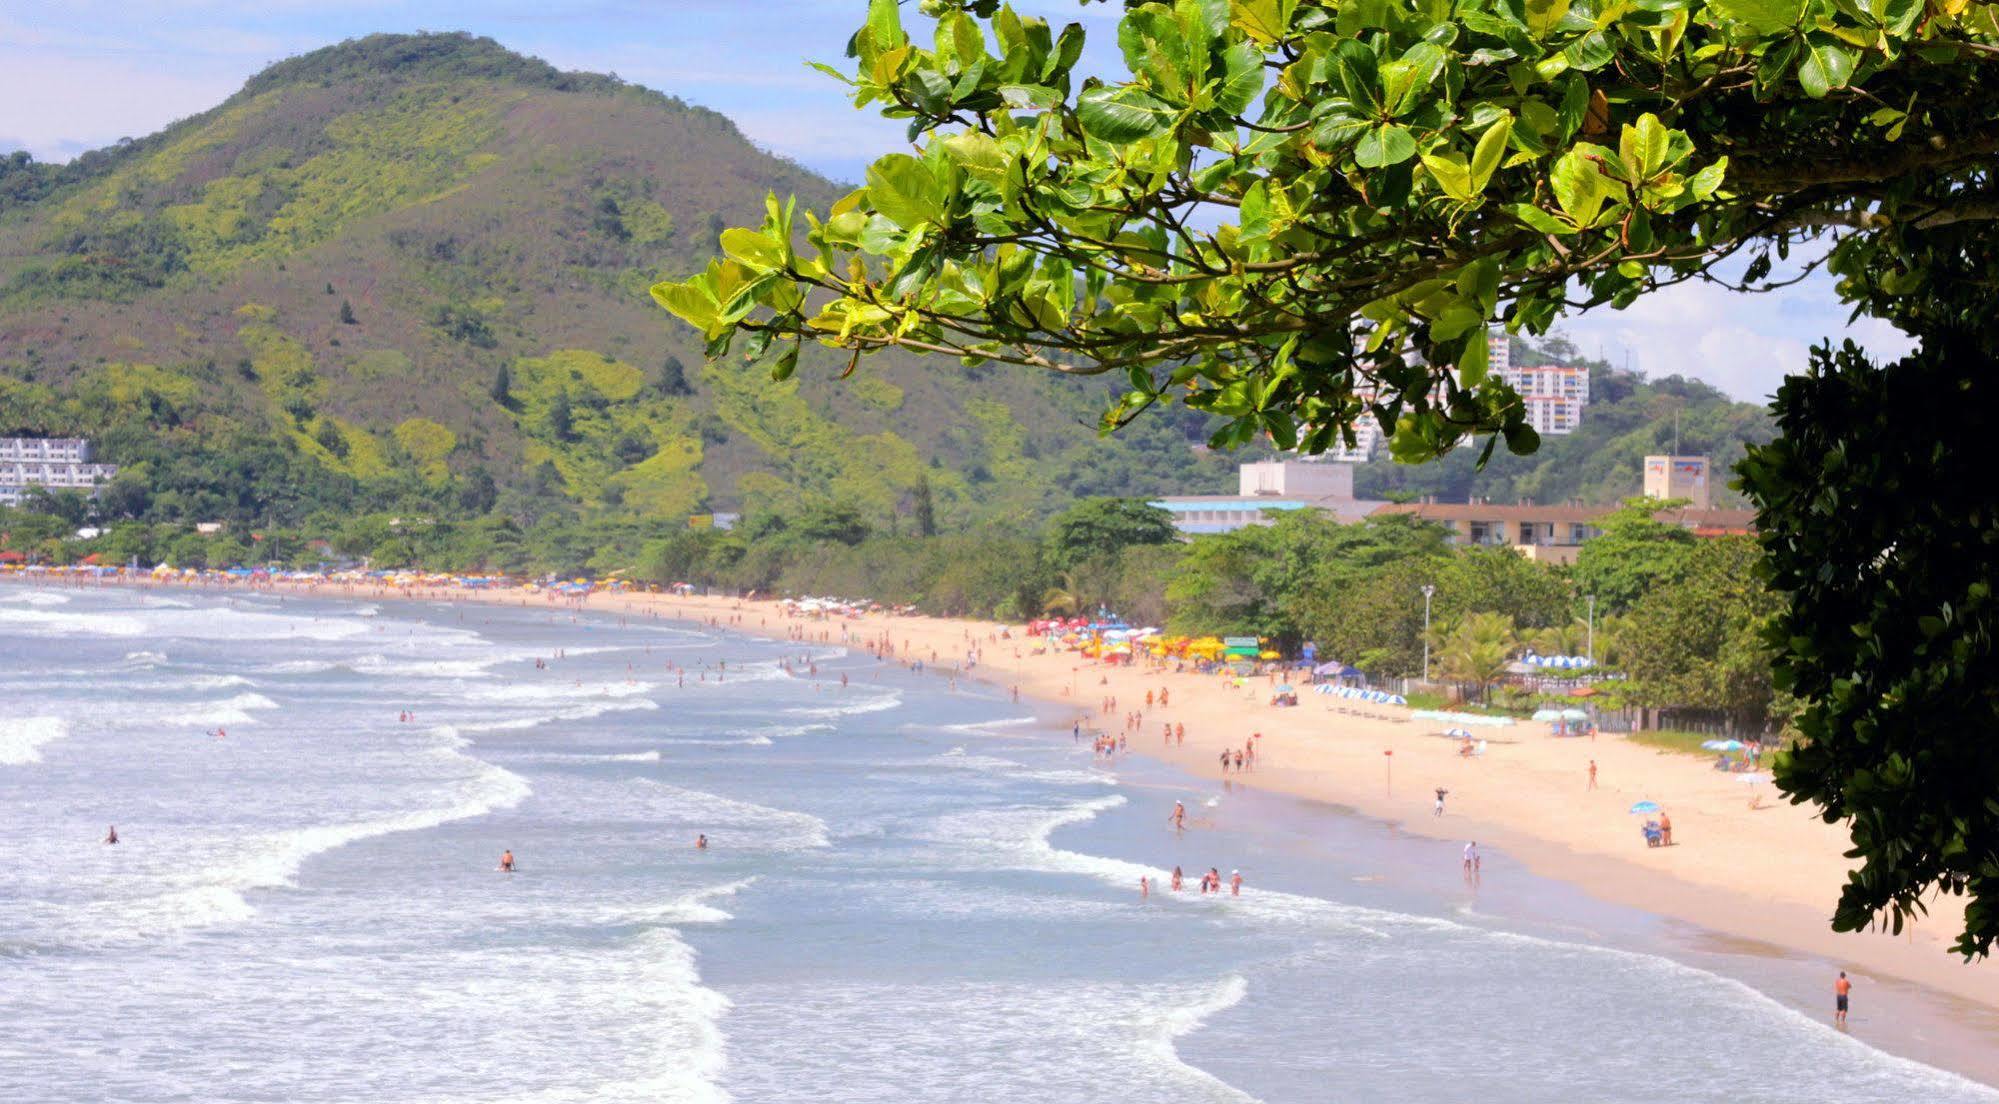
{"points": [[1590, 635], [1427, 591]]}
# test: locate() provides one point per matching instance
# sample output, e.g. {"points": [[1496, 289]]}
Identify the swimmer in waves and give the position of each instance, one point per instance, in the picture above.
{"points": [[507, 860]]}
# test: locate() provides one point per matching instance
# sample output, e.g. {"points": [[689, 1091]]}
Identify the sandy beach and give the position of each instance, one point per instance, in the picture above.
{"points": [[1766, 876]]}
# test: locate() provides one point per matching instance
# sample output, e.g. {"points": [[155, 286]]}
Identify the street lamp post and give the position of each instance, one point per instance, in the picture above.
{"points": [[1590, 635], [1427, 591]]}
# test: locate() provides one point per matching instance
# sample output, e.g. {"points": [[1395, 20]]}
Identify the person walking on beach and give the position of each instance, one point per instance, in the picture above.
{"points": [[1225, 760], [1592, 774], [1440, 800], [1840, 991]]}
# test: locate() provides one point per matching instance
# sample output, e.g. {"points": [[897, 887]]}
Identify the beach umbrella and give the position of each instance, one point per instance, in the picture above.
{"points": [[1723, 745], [1645, 807], [1397, 699], [1547, 714], [1753, 776], [1574, 715], [1285, 689], [1458, 733], [1326, 688]]}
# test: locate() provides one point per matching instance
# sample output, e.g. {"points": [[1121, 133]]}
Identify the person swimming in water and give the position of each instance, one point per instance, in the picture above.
{"points": [[112, 836], [1235, 883], [507, 860], [1176, 879], [701, 842]]}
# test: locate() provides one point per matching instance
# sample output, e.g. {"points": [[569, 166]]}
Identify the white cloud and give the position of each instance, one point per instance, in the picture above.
{"points": [[1743, 344], [60, 105]]}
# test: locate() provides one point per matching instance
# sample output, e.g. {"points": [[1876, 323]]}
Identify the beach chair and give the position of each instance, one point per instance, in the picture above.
{"points": [[1654, 835]]}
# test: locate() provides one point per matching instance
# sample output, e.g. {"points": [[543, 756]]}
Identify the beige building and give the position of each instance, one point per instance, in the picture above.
{"points": [[1322, 485], [1679, 477], [1554, 534]]}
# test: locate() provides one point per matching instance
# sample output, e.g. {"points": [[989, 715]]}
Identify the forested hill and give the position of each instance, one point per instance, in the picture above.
{"points": [[1628, 417], [409, 273]]}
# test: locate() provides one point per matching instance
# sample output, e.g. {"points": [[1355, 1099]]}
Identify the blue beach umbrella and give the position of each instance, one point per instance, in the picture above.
{"points": [[1723, 745], [1645, 807]]}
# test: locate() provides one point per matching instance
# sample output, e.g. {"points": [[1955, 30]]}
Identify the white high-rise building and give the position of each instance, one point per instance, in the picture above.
{"points": [[58, 463]]}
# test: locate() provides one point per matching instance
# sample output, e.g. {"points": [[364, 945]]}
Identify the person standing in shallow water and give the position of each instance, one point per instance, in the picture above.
{"points": [[507, 860], [1841, 990]]}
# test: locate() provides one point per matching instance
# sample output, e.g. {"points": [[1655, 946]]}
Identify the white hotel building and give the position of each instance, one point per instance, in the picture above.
{"points": [[1555, 397], [57, 463]]}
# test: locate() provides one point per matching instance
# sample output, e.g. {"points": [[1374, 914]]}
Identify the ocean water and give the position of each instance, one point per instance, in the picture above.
{"points": [[915, 891]]}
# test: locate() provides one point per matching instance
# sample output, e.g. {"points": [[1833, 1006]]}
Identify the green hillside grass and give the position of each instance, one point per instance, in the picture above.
{"points": [[331, 270]]}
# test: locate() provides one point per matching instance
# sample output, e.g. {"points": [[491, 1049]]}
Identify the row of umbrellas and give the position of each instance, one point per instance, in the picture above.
{"points": [[1381, 696], [1560, 715], [1564, 662]]}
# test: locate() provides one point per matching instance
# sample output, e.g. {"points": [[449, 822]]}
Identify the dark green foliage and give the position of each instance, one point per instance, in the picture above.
{"points": [[924, 509], [503, 386], [1696, 641], [559, 422], [1886, 551], [460, 322], [346, 312], [1102, 527], [477, 493], [1635, 553], [672, 379]]}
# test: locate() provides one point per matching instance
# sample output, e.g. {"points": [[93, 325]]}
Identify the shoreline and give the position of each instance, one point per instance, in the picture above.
{"points": [[1760, 880]]}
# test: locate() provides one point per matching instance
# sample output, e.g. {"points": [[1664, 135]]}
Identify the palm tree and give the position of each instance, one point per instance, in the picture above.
{"points": [[1067, 598], [1563, 640], [1476, 650]]}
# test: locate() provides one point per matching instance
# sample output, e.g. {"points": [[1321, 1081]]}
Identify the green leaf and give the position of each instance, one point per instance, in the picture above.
{"points": [[903, 190], [1455, 322], [1765, 17], [1266, 21], [885, 24], [1579, 188], [1123, 113], [787, 363], [1591, 51], [1475, 361], [753, 250], [1359, 72], [1642, 147], [976, 151], [1703, 183], [1542, 15], [1827, 65], [1452, 174], [1486, 155], [1242, 78], [1405, 79], [1539, 219], [1387, 144], [690, 301]]}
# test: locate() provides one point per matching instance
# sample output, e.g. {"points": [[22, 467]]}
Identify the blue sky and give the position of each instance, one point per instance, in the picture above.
{"points": [[77, 74]]}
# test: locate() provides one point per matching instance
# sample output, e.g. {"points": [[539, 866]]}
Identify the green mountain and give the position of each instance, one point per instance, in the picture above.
{"points": [[1628, 417], [409, 273]]}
